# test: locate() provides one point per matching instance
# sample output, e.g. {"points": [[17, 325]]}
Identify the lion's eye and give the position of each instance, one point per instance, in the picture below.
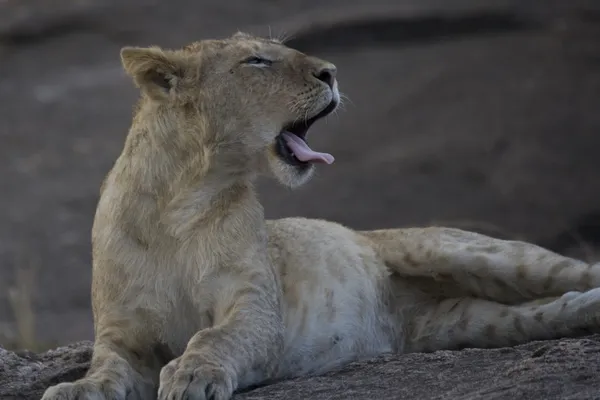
{"points": [[258, 61]]}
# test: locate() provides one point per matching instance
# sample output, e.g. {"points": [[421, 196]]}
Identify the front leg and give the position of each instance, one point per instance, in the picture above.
{"points": [[124, 363], [501, 270], [240, 349]]}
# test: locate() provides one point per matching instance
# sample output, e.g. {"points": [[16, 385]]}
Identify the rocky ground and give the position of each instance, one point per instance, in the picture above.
{"points": [[552, 370], [474, 114]]}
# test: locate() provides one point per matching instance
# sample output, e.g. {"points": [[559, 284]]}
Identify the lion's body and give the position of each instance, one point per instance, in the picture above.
{"points": [[196, 295], [336, 296], [351, 295]]}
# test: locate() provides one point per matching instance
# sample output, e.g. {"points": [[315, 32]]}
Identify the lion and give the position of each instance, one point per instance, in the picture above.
{"points": [[196, 296]]}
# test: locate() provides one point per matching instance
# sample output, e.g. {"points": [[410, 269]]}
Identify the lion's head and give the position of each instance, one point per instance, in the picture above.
{"points": [[250, 100]]}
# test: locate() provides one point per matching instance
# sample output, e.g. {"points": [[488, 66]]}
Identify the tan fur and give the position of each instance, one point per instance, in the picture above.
{"points": [[195, 295]]}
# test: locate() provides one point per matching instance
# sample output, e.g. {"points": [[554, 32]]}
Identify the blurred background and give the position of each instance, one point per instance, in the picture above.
{"points": [[483, 115]]}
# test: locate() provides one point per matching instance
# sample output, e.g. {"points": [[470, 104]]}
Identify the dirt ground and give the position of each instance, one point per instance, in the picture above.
{"points": [[484, 115]]}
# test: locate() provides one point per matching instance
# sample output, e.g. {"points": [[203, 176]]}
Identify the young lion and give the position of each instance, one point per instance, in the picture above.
{"points": [[195, 295]]}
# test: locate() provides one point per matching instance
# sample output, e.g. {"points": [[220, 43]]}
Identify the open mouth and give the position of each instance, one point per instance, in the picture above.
{"points": [[291, 144]]}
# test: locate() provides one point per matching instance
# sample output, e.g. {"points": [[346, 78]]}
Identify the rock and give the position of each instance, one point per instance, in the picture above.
{"points": [[25, 375], [555, 369]]}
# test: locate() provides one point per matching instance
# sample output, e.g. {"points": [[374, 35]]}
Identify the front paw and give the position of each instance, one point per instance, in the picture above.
{"points": [[85, 390], [193, 378]]}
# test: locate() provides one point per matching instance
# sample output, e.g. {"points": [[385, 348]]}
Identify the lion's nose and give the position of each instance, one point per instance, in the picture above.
{"points": [[326, 74]]}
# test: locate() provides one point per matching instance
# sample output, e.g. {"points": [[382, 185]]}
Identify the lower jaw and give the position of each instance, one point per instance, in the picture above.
{"points": [[300, 166], [284, 154]]}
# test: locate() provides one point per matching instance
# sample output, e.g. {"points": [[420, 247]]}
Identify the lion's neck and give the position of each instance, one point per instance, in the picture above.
{"points": [[181, 146], [171, 188], [215, 203], [210, 208]]}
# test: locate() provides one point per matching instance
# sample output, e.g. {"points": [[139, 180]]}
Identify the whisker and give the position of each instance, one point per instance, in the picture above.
{"points": [[344, 97], [284, 37]]}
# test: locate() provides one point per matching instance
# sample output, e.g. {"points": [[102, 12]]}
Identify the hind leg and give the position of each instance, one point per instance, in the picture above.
{"points": [[506, 271], [471, 322]]}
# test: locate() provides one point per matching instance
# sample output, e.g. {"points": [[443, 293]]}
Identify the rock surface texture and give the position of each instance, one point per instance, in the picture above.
{"points": [[566, 369]]}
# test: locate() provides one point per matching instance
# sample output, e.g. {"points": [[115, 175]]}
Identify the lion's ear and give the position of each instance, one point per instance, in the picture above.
{"points": [[153, 70]]}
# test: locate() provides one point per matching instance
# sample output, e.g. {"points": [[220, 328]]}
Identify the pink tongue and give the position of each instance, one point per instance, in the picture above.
{"points": [[303, 152]]}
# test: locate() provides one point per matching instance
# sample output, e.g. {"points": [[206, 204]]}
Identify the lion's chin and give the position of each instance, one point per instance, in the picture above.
{"points": [[288, 174]]}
